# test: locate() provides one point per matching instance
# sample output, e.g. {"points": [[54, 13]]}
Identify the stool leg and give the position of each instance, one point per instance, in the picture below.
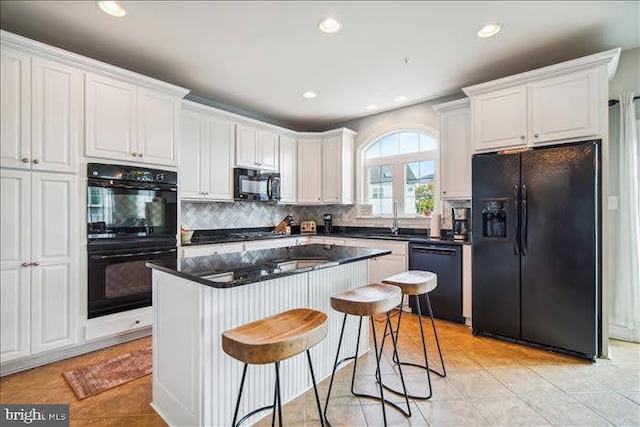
{"points": [[395, 351], [433, 324], [278, 394], [335, 365], [315, 388], [375, 345], [424, 346], [355, 358], [235, 413]]}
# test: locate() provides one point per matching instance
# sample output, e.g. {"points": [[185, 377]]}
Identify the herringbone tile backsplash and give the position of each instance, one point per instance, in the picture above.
{"points": [[199, 216]]}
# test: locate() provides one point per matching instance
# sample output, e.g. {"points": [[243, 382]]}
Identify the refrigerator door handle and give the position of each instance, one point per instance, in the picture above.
{"points": [[524, 222], [516, 228]]}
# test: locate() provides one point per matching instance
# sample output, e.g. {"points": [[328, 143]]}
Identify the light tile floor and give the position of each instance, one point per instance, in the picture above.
{"points": [[488, 382]]}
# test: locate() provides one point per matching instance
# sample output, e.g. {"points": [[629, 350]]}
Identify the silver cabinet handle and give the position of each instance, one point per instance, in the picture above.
{"points": [[522, 136], [134, 154], [137, 322], [36, 161], [140, 154], [25, 160], [25, 264], [35, 263], [535, 135]]}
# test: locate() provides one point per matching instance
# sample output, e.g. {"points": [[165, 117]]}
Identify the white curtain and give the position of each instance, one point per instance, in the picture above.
{"points": [[625, 291]]}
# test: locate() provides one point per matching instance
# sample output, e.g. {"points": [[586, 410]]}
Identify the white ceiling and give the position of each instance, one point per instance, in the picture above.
{"points": [[260, 56]]}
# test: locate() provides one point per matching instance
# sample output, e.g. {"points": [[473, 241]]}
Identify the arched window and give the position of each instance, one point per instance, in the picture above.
{"points": [[401, 166]]}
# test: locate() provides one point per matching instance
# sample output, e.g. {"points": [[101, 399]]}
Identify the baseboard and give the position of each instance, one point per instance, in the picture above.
{"points": [[622, 333], [65, 353]]}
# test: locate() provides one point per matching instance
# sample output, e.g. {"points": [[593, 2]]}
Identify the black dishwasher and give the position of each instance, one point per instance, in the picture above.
{"points": [[446, 262]]}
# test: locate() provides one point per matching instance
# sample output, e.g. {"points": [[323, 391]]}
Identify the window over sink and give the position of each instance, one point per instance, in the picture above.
{"points": [[402, 166]]}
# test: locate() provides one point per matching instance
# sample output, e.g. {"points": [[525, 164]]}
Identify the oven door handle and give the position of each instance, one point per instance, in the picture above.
{"points": [[96, 257]]}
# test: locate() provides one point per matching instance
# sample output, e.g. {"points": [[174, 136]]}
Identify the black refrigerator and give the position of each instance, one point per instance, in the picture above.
{"points": [[536, 247]]}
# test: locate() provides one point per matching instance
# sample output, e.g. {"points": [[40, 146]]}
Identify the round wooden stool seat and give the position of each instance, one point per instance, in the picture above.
{"points": [[414, 282], [367, 300], [277, 337]]}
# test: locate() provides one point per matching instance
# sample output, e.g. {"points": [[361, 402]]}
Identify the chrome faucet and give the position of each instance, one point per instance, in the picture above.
{"points": [[394, 224]]}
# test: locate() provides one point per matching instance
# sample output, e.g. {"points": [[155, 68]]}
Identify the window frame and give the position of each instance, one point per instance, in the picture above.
{"points": [[398, 162]]}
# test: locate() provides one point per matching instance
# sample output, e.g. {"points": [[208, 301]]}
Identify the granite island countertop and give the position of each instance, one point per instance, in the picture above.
{"points": [[242, 268]]}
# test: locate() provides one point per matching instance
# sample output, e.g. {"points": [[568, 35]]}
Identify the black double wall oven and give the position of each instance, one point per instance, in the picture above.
{"points": [[131, 219]]}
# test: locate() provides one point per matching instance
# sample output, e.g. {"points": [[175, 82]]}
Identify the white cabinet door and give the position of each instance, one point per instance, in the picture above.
{"points": [[288, 170], [267, 151], [192, 156], [246, 138], [219, 140], [110, 118], [57, 111], [564, 107], [157, 117], [15, 254], [456, 153], [385, 266], [500, 119], [53, 243], [310, 168], [332, 169], [15, 109]]}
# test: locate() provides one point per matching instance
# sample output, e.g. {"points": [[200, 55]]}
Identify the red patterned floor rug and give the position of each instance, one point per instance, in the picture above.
{"points": [[94, 379]]}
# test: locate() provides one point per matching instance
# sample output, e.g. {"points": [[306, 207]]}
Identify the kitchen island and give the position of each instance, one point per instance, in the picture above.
{"points": [[194, 381]]}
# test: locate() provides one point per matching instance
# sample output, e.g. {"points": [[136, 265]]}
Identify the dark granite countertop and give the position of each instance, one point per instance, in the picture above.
{"points": [[410, 235], [242, 268]]}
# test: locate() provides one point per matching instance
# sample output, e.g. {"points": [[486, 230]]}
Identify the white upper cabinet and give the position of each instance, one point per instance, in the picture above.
{"points": [[564, 107], [157, 127], [15, 111], [288, 169], [256, 148], [205, 155], [455, 149], [127, 122], [41, 113], [561, 103], [500, 119], [110, 120], [309, 170], [325, 165]]}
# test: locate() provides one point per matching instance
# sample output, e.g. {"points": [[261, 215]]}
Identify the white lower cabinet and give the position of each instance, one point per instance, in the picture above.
{"points": [[38, 265], [380, 267], [118, 323]]}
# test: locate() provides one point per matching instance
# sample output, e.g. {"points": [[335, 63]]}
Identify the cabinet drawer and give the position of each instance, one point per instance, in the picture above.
{"points": [[118, 323], [204, 250], [396, 248]]}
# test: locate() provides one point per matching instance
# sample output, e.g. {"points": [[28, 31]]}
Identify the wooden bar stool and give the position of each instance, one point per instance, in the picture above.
{"points": [[367, 300], [415, 283], [272, 340]]}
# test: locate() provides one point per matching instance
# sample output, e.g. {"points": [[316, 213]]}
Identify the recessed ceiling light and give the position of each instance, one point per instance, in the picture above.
{"points": [[489, 30], [309, 94], [400, 98], [329, 25], [371, 107], [112, 8]]}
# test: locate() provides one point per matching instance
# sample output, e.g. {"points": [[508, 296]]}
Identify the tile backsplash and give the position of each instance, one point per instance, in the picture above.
{"points": [[199, 216]]}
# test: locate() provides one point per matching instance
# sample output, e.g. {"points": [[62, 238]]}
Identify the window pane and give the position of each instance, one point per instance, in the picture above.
{"points": [[374, 174], [409, 142], [386, 174], [373, 151], [427, 143], [419, 187], [386, 206], [389, 145]]}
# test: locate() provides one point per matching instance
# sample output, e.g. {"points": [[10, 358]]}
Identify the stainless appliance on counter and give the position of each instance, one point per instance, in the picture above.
{"points": [[461, 218], [131, 219], [255, 185], [536, 252]]}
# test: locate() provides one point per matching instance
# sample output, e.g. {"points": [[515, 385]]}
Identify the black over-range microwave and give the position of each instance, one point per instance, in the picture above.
{"points": [[256, 185]]}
